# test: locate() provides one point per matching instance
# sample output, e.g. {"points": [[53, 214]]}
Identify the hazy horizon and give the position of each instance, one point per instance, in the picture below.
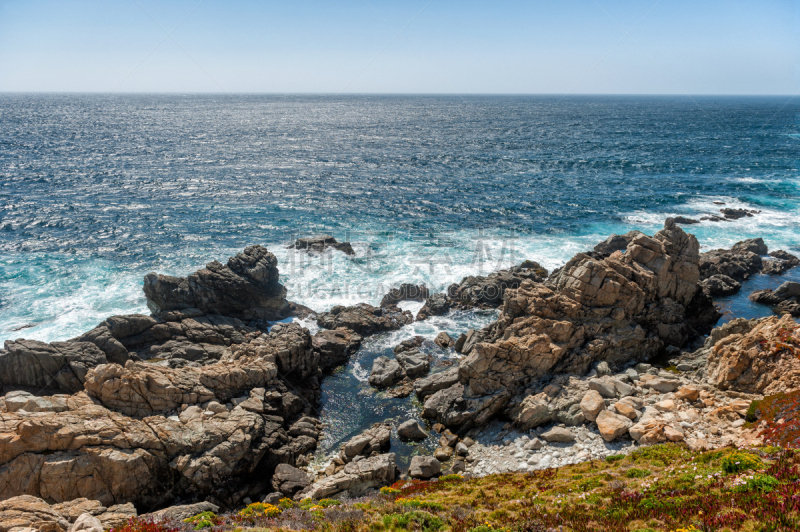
{"points": [[426, 47]]}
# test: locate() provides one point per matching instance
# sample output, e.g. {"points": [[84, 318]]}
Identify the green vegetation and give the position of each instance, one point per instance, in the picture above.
{"points": [[663, 488]]}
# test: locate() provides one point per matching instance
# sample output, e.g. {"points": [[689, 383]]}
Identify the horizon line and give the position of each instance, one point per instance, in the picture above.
{"points": [[310, 93]]}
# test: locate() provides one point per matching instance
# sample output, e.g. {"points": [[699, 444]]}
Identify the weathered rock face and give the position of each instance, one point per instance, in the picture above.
{"points": [[176, 336], [322, 243], [335, 346], [424, 467], [355, 479], [762, 360], [739, 263], [289, 480], [56, 366], [28, 512], [484, 292], [246, 287], [372, 441], [215, 406], [720, 285], [622, 308], [365, 319]]}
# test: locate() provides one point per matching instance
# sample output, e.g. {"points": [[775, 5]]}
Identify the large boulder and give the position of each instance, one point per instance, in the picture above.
{"points": [[626, 307], [246, 287], [365, 319], [424, 467], [411, 430], [385, 372], [289, 480], [355, 479], [764, 360], [720, 285], [559, 402], [372, 441], [611, 425], [335, 346]]}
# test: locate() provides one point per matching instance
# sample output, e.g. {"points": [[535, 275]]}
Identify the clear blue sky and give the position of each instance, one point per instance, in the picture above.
{"points": [[436, 46]]}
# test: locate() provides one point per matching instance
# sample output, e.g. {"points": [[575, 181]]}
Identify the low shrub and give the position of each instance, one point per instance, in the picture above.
{"points": [[260, 509], [739, 461], [202, 520], [636, 473], [415, 520]]}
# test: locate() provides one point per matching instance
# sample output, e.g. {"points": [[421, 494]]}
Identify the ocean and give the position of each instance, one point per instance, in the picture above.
{"points": [[98, 190]]}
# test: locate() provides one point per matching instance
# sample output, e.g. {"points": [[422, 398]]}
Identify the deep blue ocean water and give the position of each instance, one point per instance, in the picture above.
{"points": [[98, 190]]}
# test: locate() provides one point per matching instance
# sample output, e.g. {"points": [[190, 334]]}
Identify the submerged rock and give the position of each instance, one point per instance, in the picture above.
{"points": [[322, 243], [406, 292]]}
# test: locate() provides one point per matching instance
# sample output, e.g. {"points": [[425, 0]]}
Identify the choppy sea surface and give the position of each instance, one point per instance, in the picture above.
{"points": [[98, 190]]}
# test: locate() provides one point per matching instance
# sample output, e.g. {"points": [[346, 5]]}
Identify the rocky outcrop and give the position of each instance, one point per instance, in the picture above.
{"points": [[785, 298], [26, 512], [720, 285], [734, 214], [246, 287], [176, 337], [365, 319], [484, 292], [409, 364], [335, 346], [289, 480], [180, 405], [783, 263], [763, 360], [354, 479], [424, 467], [405, 292], [372, 441], [57, 366], [322, 243], [411, 430], [739, 263], [623, 308]]}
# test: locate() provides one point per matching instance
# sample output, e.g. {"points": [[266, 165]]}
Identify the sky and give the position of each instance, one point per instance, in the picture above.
{"points": [[413, 46]]}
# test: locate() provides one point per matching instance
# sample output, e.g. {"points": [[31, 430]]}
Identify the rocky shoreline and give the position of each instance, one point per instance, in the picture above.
{"points": [[213, 399]]}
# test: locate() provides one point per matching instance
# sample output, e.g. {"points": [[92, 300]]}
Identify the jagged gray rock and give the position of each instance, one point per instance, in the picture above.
{"points": [[246, 287]]}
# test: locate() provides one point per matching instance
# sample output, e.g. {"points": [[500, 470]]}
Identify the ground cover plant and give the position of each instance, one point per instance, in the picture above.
{"points": [[659, 488]]}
